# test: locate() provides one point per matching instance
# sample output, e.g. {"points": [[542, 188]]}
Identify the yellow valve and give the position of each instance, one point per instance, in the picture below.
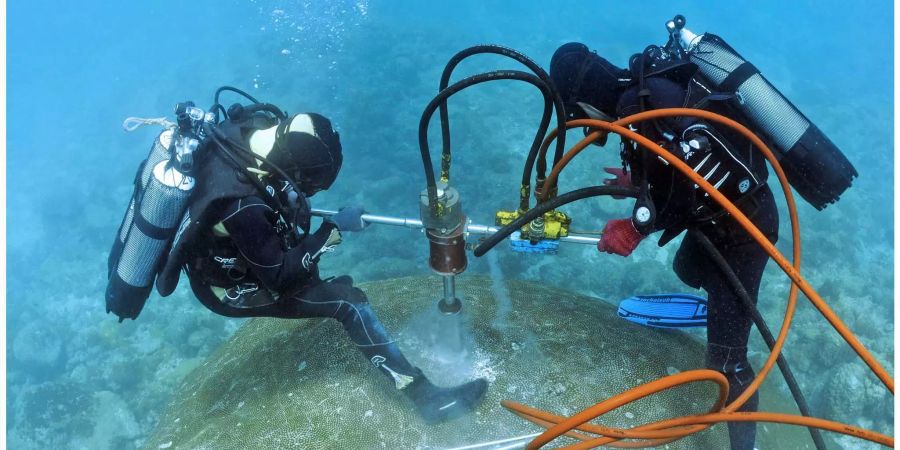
{"points": [[504, 218], [555, 224]]}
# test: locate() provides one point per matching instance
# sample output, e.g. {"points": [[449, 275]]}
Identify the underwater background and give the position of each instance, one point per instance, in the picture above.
{"points": [[78, 379]]}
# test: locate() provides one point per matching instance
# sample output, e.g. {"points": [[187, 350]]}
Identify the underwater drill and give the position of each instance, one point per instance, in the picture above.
{"points": [[439, 205], [444, 223]]}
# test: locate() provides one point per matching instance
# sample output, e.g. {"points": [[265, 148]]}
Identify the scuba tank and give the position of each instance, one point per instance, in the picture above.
{"points": [[162, 188], [815, 167]]}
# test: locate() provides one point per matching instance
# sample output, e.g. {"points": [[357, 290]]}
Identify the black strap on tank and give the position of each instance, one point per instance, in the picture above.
{"points": [[713, 97], [737, 77], [152, 231]]}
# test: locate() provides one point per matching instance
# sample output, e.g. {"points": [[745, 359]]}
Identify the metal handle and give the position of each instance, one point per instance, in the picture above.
{"points": [[470, 227]]}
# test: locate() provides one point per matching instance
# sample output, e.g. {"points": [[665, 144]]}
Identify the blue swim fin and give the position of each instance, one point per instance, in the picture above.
{"points": [[664, 310]]}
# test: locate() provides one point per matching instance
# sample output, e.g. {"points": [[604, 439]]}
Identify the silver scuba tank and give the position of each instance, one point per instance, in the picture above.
{"points": [[815, 167], [159, 200], [159, 151]]}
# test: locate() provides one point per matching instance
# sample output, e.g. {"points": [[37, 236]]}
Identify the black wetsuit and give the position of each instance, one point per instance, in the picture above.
{"points": [[677, 202], [256, 276]]}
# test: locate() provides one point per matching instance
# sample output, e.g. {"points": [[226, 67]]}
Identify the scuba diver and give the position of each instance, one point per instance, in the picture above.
{"points": [[244, 237], [592, 87]]}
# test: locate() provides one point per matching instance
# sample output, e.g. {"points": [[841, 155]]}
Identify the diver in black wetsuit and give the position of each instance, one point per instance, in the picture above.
{"points": [[246, 257], [593, 87]]}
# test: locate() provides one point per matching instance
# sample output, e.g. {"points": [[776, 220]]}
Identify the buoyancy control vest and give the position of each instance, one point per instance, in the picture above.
{"points": [[221, 183], [725, 160]]}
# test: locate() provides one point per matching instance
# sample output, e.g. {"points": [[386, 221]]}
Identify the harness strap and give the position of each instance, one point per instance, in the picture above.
{"points": [[152, 231], [737, 77]]}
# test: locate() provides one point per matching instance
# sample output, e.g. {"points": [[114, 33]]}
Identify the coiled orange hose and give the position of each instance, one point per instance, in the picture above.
{"points": [[671, 429]]}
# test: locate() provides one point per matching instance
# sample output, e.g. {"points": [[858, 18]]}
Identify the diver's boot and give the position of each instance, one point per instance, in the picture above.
{"points": [[390, 361], [436, 404]]}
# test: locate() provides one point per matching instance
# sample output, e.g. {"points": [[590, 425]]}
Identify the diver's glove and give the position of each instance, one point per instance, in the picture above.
{"points": [[619, 237], [622, 178], [349, 218]]}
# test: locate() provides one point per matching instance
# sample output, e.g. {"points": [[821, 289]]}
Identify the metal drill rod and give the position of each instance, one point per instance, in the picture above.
{"points": [[449, 287], [470, 228], [450, 304]]}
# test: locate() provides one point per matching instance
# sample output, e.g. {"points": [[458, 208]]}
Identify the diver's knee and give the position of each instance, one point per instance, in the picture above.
{"points": [[354, 308], [686, 265], [731, 361], [355, 296], [737, 371], [343, 279]]}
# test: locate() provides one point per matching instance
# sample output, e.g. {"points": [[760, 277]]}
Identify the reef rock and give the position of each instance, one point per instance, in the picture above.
{"points": [[302, 384], [38, 346]]}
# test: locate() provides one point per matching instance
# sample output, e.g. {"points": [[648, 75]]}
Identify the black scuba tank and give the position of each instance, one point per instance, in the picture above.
{"points": [[815, 167], [160, 197]]}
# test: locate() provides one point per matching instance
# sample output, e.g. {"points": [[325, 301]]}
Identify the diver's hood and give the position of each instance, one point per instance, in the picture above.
{"points": [[305, 147], [581, 75]]}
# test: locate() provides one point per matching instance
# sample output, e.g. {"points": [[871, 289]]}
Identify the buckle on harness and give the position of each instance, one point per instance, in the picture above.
{"points": [[226, 263], [241, 289]]}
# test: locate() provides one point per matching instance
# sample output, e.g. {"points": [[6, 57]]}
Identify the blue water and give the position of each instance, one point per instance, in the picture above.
{"points": [[77, 379]]}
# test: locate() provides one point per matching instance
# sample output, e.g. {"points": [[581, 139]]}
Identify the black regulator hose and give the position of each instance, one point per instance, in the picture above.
{"points": [[256, 106], [235, 90], [216, 107], [555, 101], [442, 97], [266, 107], [761, 325], [549, 205]]}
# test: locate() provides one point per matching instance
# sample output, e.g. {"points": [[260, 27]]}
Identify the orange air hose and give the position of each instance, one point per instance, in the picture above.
{"points": [[537, 415], [678, 426]]}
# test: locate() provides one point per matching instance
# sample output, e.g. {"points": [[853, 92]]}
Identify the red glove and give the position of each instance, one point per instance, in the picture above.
{"points": [[621, 179], [619, 237]]}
